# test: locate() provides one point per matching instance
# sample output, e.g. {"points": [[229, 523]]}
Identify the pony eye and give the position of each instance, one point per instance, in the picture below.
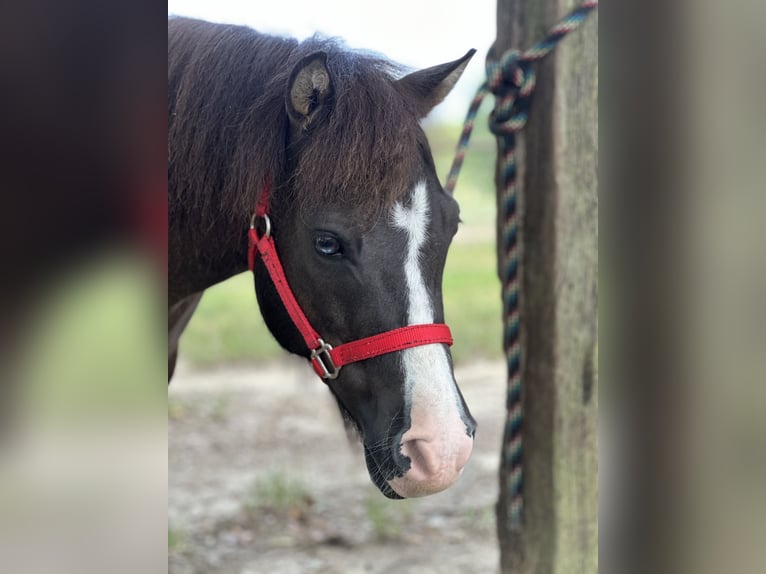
{"points": [[327, 245]]}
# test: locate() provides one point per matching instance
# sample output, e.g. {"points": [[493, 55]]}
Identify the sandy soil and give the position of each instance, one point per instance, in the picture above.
{"points": [[234, 432]]}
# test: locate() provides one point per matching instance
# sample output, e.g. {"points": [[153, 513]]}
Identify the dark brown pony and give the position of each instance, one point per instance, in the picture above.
{"points": [[360, 220]]}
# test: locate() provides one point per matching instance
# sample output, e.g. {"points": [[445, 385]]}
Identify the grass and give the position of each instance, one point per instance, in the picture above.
{"points": [[281, 495], [386, 517], [479, 166], [472, 302], [227, 326], [175, 539], [213, 408]]}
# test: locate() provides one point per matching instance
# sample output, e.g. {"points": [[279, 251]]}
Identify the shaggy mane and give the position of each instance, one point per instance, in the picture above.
{"points": [[228, 126]]}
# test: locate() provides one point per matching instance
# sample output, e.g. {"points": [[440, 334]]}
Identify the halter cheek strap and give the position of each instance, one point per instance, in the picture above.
{"points": [[327, 360]]}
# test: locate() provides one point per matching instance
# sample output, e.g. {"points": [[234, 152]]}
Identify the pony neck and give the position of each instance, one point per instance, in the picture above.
{"points": [[199, 258]]}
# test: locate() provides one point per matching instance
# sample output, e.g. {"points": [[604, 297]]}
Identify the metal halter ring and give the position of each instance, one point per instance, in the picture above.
{"points": [[321, 356], [266, 220]]}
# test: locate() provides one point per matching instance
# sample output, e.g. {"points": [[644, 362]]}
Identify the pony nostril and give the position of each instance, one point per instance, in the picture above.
{"points": [[421, 457], [434, 463], [430, 459]]}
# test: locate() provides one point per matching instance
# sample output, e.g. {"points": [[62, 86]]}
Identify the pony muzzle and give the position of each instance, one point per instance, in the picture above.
{"points": [[436, 461]]}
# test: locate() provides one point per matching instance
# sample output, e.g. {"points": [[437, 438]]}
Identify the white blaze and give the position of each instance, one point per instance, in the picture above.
{"points": [[428, 382]]}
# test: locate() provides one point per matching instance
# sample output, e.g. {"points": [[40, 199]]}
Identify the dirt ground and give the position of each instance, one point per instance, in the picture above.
{"points": [[262, 478]]}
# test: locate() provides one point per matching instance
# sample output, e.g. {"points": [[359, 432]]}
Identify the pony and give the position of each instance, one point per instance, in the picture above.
{"points": [[358, 216]]}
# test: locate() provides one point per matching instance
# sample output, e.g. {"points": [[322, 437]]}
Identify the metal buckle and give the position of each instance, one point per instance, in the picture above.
{"points": [[266, 221], [321, 356]]}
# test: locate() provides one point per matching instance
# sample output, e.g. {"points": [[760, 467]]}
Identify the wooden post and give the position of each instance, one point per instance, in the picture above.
{"points": [[559, 280]]}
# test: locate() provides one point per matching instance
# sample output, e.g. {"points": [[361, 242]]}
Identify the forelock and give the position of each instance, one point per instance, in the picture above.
{"points": [[367, 152]]}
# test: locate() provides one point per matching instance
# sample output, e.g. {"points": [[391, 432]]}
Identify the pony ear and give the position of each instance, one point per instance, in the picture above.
{"points": [[430, 86], [308, 89]]}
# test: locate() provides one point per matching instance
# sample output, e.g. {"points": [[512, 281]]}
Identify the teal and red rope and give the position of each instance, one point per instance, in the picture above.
{"points": [[511, 79]]}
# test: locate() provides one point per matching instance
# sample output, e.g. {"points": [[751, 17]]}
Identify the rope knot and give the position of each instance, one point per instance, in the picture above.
{"points": [[503, 74], [512, 80]]}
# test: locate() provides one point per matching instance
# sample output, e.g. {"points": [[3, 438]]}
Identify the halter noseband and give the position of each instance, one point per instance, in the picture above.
{"points": [[327, 360]]}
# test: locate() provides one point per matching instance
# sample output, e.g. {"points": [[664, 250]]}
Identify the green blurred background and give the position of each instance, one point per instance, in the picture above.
{"points": [[227, 326]]}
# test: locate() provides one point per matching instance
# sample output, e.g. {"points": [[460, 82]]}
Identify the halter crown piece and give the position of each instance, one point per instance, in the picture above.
{"points": [[326, 359]]}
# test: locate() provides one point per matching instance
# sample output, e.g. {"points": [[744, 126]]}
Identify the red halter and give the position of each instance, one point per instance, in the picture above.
{"points": [[327, 360]]}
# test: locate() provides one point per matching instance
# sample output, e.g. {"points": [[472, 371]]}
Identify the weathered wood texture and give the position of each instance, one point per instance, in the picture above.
{"points": [[558, 200]]}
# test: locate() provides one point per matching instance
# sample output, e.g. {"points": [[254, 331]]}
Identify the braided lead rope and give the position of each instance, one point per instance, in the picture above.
{"points": [[511, 79], [497, 71]]}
